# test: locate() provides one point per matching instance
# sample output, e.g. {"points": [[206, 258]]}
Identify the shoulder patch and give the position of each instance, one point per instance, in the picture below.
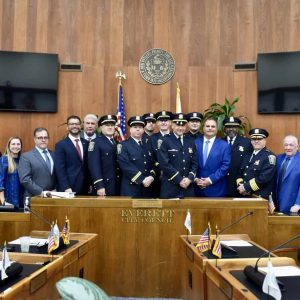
{"points": [[119, 148], [159, 142], [272, 159], [91, 146]]}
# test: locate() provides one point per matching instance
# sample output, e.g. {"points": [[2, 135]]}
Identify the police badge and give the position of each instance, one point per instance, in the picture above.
{"points": [[159, 142], [190, 150], [91, 146], [241, 148], [119, 148]]}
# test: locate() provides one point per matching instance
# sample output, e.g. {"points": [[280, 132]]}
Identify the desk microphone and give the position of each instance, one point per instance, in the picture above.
{"points": [[256, 276], [250, 213], [27, 208]]}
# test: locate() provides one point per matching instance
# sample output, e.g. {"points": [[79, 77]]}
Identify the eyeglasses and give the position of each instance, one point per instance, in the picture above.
{"points": [[74, 124], [40, 138]]}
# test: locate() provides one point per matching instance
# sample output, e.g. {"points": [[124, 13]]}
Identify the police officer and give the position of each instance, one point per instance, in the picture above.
{"points": [[258, 168], [194, 122], [136, 162], [178, 161], [240, 146], [150, 125], [102, 159]]}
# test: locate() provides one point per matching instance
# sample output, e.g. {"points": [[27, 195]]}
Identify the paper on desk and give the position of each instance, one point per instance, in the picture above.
{"points": [[48, 194], [33, 242], [247, 199], [236, 243], [283, 271]]}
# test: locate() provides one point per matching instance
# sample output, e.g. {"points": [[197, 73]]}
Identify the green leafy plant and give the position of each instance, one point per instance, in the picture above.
{"points": [[221, 111]]}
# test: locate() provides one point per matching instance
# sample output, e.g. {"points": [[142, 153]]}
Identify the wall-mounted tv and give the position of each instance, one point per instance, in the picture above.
{"points": [[278, 82], [28, 81]]}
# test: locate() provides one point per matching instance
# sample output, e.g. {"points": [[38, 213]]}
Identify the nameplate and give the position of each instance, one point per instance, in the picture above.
{"points": [[82, 250], [146, 203], [38, 281], [147, 215], [226, 288]]}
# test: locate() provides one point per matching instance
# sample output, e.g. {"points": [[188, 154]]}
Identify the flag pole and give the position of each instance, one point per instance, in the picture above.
{"points": [[120, 129]]}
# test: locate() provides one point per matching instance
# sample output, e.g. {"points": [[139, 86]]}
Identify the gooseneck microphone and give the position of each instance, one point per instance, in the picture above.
{"points": [[256, 276], [27, 208], [250, 213]]}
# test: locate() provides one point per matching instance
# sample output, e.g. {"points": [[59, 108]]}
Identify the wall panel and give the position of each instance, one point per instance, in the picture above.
{"points": [[205, 37]]}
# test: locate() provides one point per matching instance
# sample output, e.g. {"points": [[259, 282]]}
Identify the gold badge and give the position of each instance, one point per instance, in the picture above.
{"points": [[241, 148], [91, 146], [190, 150], [272, 160], [119, 148], [257, 162], [159, 142]]}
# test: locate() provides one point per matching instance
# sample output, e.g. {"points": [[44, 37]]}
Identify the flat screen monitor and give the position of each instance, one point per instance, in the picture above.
{"points": [[278, 82], [28, 81]]}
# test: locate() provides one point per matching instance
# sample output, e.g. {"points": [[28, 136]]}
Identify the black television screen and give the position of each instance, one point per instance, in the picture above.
{"points": [[278, 82], [28, 81]]}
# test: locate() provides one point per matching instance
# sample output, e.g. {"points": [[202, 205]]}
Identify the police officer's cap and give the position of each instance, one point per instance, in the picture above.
{"points": [[107, 119], [149, 117], [194, 116], [232, 121], [258, 133], [136, 120], [179, 119], [163, 115]]}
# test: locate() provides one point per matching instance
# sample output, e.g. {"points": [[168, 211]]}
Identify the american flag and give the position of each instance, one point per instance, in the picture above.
{"points": [[204, 242], [51, 241], [121, 122], [271, 205], [66, 232], [217, 250]]}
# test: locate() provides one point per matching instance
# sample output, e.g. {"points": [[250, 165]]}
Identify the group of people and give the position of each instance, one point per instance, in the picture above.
{"points": [[176, 161]]}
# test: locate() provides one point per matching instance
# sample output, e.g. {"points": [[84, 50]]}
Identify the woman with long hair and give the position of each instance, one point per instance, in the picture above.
{"points": [[10, 188]]}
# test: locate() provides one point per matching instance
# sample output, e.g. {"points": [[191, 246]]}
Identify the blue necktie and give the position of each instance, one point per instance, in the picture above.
{"points": [[48, 163], [205, 152]]}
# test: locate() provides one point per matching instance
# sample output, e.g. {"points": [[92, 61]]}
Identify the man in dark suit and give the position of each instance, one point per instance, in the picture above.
{"points": [[194, 122], [256, 175], [213, 162], [287, 178], [178, 161], [240, 146], [70, 160], [136, 162], [102, 159], [36, 167]]}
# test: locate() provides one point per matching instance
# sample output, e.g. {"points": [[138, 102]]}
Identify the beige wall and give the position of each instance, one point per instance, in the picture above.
{"points": [[205, 37]]}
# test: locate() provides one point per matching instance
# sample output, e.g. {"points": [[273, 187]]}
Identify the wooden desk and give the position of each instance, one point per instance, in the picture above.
{"points": [[13, 225], [222, 285], [138, 246], [193, 262], [41, 283]]}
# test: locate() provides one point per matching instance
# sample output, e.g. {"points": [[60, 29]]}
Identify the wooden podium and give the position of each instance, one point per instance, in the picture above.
{"points": [[222, 285], [193, 262], [138, 246]]}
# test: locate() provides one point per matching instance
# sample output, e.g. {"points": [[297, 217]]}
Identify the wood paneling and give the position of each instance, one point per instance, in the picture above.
{"points": [[205, 37]]}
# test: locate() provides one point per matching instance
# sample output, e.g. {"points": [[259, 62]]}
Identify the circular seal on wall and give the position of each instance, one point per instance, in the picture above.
{"points": [[157, 66]]}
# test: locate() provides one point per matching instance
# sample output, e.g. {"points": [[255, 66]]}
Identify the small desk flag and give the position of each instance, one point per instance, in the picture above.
{"points": [[188, 222]]}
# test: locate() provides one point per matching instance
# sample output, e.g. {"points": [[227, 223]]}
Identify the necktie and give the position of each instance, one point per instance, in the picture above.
{"points": [[282, 171], [140, 143], [89, 139], [48, 163], [180, 139], [78, 148], [205, 152], [112, 141], [252, 156], [230, 141]]}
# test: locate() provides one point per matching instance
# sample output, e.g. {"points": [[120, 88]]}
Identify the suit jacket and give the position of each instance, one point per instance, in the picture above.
{"points": [[241, 147], [70, 169], [289, 193], [136, 164], [176, 162], [216, 168], [34, 174], [103, 166]]}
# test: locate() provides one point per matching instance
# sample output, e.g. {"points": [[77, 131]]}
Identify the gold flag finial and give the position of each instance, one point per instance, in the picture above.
{"points": [[120, 75]]}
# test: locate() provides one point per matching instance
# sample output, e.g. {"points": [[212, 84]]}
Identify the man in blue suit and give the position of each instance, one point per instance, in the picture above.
{"points": [[287, 180], [213, 162], [70, 160]]}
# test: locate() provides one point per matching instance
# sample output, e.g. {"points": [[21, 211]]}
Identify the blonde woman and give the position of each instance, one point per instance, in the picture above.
{"points": [[10, 188]]}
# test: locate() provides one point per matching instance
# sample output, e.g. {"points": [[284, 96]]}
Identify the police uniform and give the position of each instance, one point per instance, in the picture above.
{"points": [[177, 160], [102, 161], [194, 116], [240, 147], [148, 117], [136, 163], [257, 171]]}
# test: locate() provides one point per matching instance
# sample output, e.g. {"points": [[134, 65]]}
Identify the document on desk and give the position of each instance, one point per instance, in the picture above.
{"points": [[236, 243], [282, 271], [33, 242]]}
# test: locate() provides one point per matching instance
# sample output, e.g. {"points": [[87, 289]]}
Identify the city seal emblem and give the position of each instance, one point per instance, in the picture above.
{"points": [[157, 66]]}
